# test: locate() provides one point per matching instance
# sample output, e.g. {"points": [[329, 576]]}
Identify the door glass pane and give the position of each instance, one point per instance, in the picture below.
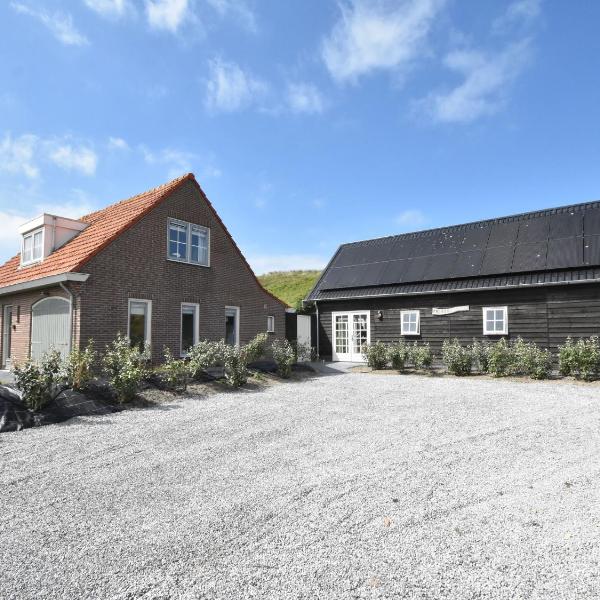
{"points": [[341, 334], [137, 324], [360, 332], [231, 326], [188, 327]]}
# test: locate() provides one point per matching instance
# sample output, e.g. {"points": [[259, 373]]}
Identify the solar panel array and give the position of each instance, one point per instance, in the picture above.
{"points": [[552, 240]]}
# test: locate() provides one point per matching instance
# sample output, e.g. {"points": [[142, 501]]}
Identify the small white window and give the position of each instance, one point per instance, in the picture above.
{"points": [[495, 320], [270, 324], [32, 247], [190, 331], [188, 243], [139, 322], [410, 322]]}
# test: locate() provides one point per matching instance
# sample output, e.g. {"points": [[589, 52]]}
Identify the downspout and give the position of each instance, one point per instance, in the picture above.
{"points": [[318, 345], [71, 300]]}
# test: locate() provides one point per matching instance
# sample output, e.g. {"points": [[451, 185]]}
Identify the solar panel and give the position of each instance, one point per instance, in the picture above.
{"points": [[497, 260], [440, 266], [503, 234], [566, 225], [564, 253], [394, 272], [475, 238], [468, 264], [415, 268], [445, 241], [530, 257], [591, 249], [533, 230], [591, 221]]}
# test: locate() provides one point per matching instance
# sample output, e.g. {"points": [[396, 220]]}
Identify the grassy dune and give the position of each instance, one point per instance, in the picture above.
{"points": [[290, 286]]}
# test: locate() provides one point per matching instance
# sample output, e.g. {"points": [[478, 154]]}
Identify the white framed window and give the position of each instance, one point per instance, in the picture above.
{"points": [[410, 322], [139, 322], [188, 243], [33, 246], [495, 320], [190, 326], [232, 325], [270, 324]]}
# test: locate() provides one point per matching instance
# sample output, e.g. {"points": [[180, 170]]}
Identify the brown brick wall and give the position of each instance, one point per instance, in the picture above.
{"points": [[135, 265]]}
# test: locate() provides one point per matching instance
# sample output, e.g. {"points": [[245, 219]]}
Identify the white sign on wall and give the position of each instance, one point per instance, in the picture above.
{"points": [[449, 311]]}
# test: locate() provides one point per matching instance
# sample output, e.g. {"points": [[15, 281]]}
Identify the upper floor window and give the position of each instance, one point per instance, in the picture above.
{"points": [[410, 322], [33, 244], [495, 320], [188, 242]]}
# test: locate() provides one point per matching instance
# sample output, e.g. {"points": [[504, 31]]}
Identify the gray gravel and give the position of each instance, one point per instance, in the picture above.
{"points": [[346, 486]]}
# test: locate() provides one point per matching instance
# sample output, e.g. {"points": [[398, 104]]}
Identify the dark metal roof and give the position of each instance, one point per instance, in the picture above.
{"points": [[541, 247]]}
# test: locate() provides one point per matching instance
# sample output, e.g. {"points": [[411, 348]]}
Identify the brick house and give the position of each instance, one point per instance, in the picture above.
{"points": [[160, 267]]}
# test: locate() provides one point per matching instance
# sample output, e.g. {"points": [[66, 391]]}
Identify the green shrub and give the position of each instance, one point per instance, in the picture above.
{"points": [[284, 356], [78, 368], [255, 348], [421, 356], [500, 358], [125, 367], [376, 355], [38, 382], [235, 364], [588, 358], [398, 355], [458, 359], [203, 355], [481, 355], [174, 372], [567, 358]]}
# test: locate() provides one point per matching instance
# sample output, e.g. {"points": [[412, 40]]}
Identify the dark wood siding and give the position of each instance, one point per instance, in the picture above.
{"points": [[546, 316]]}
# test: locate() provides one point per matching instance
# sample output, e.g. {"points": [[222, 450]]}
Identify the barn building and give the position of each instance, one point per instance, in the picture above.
{"points": [[534, 275]]}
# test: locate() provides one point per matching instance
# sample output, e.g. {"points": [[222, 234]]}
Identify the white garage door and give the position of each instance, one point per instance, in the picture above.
{"points": [[50, 327]]}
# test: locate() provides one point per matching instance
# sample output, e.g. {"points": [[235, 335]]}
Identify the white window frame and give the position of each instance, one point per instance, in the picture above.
{"points": [[410, 312], [148, 303], [188, 248], [237, 322], [32, 235], [504, 309], [270, 324], [196, 308]]}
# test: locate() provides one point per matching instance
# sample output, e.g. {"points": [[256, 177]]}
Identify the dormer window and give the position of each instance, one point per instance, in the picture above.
{"points": [[33, 247]]}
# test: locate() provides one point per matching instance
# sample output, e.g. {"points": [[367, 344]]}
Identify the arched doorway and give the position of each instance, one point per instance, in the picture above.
{"points": [[50, 327]]}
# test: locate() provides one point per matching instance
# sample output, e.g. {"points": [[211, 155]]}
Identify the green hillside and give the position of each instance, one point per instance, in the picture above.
{"points": [[290, 286]]}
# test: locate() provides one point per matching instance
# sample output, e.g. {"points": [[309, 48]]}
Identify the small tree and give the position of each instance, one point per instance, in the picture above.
{"points": [[125, 367]]}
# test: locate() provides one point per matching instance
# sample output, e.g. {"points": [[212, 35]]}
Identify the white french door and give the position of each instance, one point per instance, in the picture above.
{"points": [[351, 331]]}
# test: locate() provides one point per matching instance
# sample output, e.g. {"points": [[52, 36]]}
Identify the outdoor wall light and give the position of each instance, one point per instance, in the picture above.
{"points": [[380, 315]]}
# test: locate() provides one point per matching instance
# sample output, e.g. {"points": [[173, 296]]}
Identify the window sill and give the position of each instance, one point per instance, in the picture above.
{"points": [[185, 262]]}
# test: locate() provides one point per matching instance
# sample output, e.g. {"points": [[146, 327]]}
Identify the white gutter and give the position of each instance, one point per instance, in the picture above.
{"points": [[42, 282]]}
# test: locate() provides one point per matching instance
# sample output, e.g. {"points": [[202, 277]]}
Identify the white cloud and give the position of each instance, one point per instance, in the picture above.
{"points": [[378, 35], [305, 98], [411, 218], [109, 8], [487, 79], [74, 158], [117, 143], [229, 88], [60, 24], [167, 15], [520, 12], [179, 162], [17, 155], [238, 9], [286, 262]]}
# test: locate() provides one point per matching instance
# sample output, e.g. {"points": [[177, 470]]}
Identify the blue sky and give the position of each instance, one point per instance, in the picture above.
{"points": [[308, 123]]}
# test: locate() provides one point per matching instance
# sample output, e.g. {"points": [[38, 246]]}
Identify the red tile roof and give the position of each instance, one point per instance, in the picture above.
{"points": [[104, 226]]}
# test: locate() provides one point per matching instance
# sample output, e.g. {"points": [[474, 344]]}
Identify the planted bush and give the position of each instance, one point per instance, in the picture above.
{"points": [[376, 355], [39, 382], [255, 348], [203, 355], [235, 364], [567, 358], [78, 368], [285, 356], [174, 372], [457, 359], [481, 355], [398, 355], [529, 359], [421, 356], [500, 359], [580, 359], [125, 367]]}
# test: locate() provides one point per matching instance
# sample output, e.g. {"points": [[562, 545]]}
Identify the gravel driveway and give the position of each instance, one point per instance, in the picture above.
{"points": [[345, 486]]}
